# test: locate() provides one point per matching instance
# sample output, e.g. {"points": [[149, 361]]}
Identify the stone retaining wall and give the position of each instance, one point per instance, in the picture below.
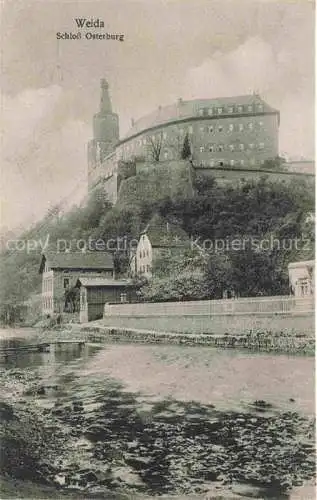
{"points": [[264, 341]]}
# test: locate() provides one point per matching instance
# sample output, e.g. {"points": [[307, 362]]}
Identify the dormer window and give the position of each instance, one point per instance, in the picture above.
{"points": [[240, 109], [220, 110], [201, 112], [210, 111], [230, 109]]}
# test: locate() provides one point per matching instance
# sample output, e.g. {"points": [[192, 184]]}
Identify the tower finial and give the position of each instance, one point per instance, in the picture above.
{"points": [[105, 103]]}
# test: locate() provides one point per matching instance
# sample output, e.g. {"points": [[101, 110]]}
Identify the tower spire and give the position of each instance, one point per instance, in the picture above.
{"points": [[105, 103]]}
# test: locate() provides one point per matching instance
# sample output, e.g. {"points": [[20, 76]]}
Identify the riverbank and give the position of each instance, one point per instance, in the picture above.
{"points": [[256, 340]]}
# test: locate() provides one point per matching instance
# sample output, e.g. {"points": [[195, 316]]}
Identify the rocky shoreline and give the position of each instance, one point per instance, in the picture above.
{"points": [[99, 441]]}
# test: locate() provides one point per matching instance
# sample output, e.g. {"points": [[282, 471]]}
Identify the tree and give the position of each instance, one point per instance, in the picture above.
{"points": [[155, 144], [186, 151]]}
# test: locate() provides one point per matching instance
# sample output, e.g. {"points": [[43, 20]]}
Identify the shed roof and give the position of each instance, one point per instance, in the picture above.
{"points": [[77, 260], [103, 282]]}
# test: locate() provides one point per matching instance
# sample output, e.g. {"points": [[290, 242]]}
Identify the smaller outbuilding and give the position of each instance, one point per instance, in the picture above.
{"points": [[96, 292]]}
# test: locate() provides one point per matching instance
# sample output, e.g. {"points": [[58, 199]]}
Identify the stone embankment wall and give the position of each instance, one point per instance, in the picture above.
{"points": [[256, 341]]}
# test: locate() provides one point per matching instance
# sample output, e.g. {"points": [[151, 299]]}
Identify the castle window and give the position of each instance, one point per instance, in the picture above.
{"points": [[202, 149], [250, 108], [232, 163], [220, 128], [220, 147], [241, 147], [261, 145], [210, 111], [220, 110], [240, 109], [230, 109], [241, 127], [250, 125], [231, 147], [230, 127], [211, 129]]}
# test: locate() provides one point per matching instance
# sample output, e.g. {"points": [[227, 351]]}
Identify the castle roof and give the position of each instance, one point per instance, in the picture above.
{"points": [[77, 260], [183, 110]]}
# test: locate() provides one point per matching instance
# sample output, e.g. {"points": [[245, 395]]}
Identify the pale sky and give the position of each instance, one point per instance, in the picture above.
{"points": [[172, 48]]}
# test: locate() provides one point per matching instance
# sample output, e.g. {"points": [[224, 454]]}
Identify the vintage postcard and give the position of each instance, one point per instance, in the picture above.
{"points": [[157, 251]]}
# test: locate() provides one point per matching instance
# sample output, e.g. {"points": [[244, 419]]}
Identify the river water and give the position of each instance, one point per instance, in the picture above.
{"points": [[160, 419]]}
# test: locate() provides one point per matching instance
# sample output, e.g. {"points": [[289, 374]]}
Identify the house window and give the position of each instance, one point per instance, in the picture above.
{"points": [[241, 127], [220, 111], [165, 155], [220, 147], [241, 163], [240, 109], [201, 112], [181, 131], [211, 129], [232, 163], [202, 149], [221, 163], [147, 268], [66, 282], [231, 147], [220, 128], [164, 135], [241, 147], [251, 146], [260, 107], [123, 297], [190, 129], [250, 108], [210, 111], [211, 163], [230, 127], [252, 161], [202, 129], [211, 148], [230, 109], [250, 125]]}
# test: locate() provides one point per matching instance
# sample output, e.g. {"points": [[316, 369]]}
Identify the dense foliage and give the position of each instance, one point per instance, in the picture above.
{"points": [[245, 236]]}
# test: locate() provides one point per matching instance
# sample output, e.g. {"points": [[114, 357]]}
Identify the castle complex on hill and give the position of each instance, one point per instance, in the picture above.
{"points": [[232, 133]]}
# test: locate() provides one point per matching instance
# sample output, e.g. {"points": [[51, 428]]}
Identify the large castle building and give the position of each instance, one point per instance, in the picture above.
{"points": [[239, 131]]}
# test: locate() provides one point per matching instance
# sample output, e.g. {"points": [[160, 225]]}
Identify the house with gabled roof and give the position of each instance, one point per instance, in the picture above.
{"points": [[60, 272], [159, 238]]}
